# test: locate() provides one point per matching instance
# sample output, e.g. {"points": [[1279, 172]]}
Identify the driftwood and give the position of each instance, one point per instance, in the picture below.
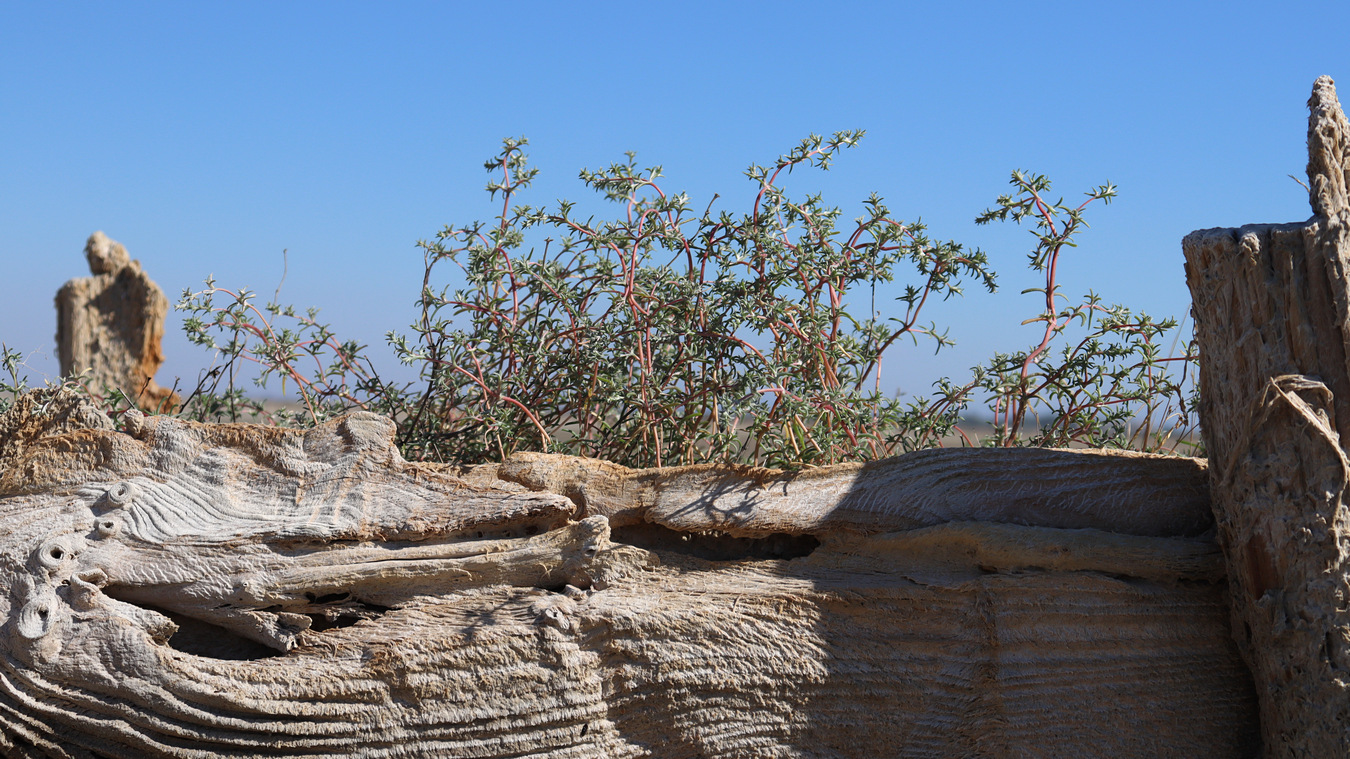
{"points": [[232, 590], [1272, 315], [109, 327]]}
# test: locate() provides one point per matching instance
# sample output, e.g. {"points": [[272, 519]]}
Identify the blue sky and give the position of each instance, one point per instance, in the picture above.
{"points": [[208, 137]]}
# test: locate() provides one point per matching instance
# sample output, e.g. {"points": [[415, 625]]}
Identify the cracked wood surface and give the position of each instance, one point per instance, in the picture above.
{"points": [[232, 590], [1272, 316]]}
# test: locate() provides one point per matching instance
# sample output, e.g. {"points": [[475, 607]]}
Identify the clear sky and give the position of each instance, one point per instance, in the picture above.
{"points": [[210, 137]]}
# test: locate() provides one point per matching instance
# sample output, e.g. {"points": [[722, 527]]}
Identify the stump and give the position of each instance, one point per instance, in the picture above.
{"points": [[109, 327], [1272, 322]]}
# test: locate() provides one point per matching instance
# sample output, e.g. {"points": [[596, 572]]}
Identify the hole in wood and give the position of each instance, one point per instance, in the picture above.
{"points": [[716, 546], [345, 615], [203, 638], [329, 611]]}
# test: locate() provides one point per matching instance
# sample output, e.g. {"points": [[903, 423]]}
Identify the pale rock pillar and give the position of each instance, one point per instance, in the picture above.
{"points": [[111, 324]]}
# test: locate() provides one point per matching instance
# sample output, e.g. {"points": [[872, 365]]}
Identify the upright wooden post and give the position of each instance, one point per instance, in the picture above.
{"points": [[111, 325], [1272, 316]]}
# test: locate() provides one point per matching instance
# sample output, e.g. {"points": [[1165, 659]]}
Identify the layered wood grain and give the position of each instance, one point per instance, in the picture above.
{"points": [[191, 590]]}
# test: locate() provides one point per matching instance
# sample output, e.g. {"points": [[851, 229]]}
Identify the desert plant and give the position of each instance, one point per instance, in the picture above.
{"points": [[666, 336], [1110, 386], [14, 383], [13, 380], [328, 376]]}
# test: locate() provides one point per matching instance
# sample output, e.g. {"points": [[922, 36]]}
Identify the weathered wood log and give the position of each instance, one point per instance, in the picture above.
{"points": [[233, 590], [1272, 320], [110, 326], [1125, 492]]}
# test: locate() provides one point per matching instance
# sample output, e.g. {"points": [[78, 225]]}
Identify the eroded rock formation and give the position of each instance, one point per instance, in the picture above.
{"points": [[111, 326], [236, 590], [1272, 316]]}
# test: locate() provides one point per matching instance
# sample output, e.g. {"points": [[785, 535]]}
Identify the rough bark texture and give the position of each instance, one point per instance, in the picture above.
{"points": [[234, 590], [111, 325], [1272, 315]]}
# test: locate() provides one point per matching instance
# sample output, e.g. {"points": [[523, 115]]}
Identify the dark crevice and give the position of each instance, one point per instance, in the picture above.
{"points": [[295, 546], [329, 611], [195, 636], [212, 641], [344, 613], [716, 546]]}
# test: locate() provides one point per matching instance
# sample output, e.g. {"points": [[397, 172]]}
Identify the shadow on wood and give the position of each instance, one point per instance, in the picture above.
{"points": [[236, 590]]}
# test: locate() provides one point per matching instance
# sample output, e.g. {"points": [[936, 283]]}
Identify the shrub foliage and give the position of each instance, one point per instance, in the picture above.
{"points": [[665, 335]]}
